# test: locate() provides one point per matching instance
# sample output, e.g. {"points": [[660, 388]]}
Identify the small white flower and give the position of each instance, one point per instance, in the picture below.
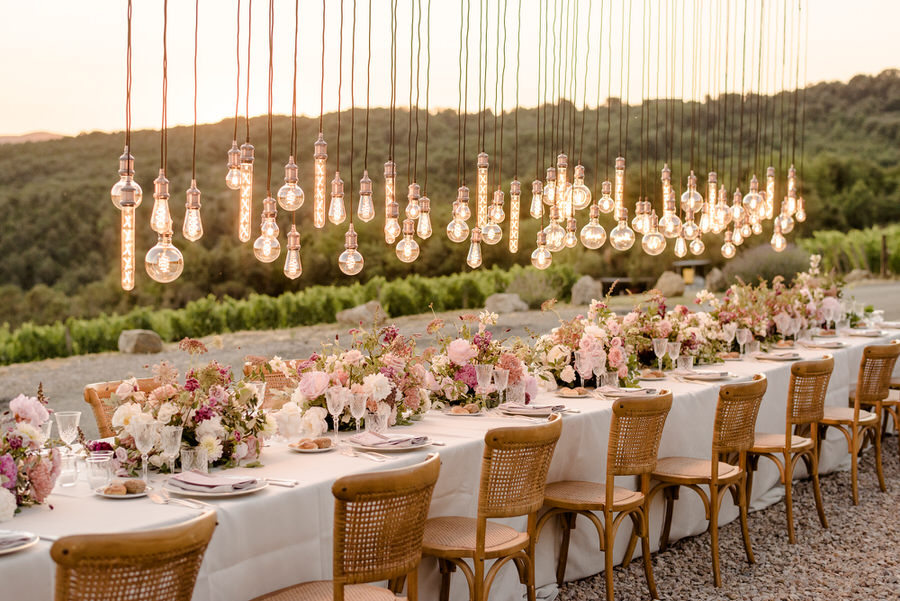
{"points": [[313, 421], [31, 436], [558, 354], [157, 460], [240, 451], [213, 447], [568, 374], [488, 318], [377, 386], [211, 427], [270, 427], [124, 414], [7, 505], [166, 412], [440, 361]]}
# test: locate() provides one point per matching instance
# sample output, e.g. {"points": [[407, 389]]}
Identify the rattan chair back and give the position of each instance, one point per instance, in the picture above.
{"points": [[155, 565], [379, 520], [634, 434], [807, 389], [97, 395], [514, 469], [874, 380], [736, 411]]}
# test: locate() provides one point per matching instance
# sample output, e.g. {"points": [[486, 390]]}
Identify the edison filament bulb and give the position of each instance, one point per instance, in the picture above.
{"points": [[161, 218], [691, 199], [757, 228], [571, 239], [622, 237], [593, 235], [670, 224], [653, 242], [245, 203], [581, 194], [350, 261], [689, 229], [458, 229], [412, 201], [753, 201], [746, 230], [290, 196], [408, 248], [474, 258], [515, 195], [365, 209], [463, 211], [292, 265], [127, 227], [266, 247], [697, 247], [666, 179], [606, 202], [563, 187], [779, 243], [233, 175], [555, 234], [791, 200], [800, 215], [496, 213], [193, 225], [770, 192], [550, 187], [728, 249], [537, 199], [482, 189], [737, 237], [619, 190], [337, 213], [391, 209], [681, 248], [541, 257], [164, 262], [126, 174], [320, 156], [423, 229], [491, 233], [785, 220], [638, 223], [737, 207]]}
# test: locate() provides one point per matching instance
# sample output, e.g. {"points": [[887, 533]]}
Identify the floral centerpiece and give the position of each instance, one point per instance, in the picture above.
{"points": [[26, 474], [699, 334], [648, 320], [744, 305]]}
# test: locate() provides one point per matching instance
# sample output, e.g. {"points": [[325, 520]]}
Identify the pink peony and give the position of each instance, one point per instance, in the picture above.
{"points": [[163, 393], [514, 365], [29, 409], [430, 383], [613, 326], [664, 328], [8, 468], [340, 377], [39, 475], [353, 357], [616, 356], [313, 384], [623, 371], [461, 351]]}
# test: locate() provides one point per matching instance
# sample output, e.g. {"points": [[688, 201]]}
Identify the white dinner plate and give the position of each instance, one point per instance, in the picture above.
{"points": [[538, 411], [573, 394], [708, 376], [867, 333], [831, 344], [778, 357], [390, 448], [316, 450], [99, 492], [651, 378], [261, 484], [730, 358], [479, 413], [31, 540], [633, 392]]}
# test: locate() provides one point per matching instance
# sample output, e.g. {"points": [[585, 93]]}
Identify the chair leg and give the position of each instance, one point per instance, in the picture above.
{"points": [[645, 550], [671, 494], [813, 465], [744, 506], [567, 521], [609, 542], [788, 497], [412, 585], [479, 579], [854, 470], [447, 568], [748, 485], [714, 533], [878, 468]]}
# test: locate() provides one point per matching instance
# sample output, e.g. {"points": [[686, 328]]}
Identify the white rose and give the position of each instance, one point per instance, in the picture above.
{"points": [[157, 461], [213, 447], [31, 436], [211, 427], [124, 414], [568, 374], [377, 386], [270, 427], [7, 505], [439, 362], [240, 451], [313, 421], [166, 412], [557, 354]]}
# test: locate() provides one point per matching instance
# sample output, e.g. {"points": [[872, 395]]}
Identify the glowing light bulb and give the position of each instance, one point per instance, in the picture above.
{"points": [[622, 237], [541, 257], [554, 232], [127, 227], [292, 265], [515, 195], [408, 248], [770, 192], [495, 213], [412, 201], [691, 199], [708, 220], [666, 179], [653, 242], [337, 213], [126, 174], [637, 222], [320, 157], [164, 263], [233, 175], [550, 187], [606, 204], [571, 240], [746, 230], [593, 235], [800, 215], [757, 228], [728, 249], [697, 247], [581, 194], [785, 220], [737, 237], [482, 189], [563, 187], [681, 247], [458, 229], [267, 248], [778, 241], [463, 211], [160, 217], [290, 196], [737, 207], [689, 229], [474, 258], [391, 225], [791, 200], [350, 261], [391, 222], [670, 224], [620, 184], [193, 225], [753, 201], [537, 199], [365, 209], [245, 204], [423, 229], [491, 233]]}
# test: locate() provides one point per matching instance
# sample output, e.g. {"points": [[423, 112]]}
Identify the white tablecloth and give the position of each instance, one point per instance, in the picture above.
{"points": [[282, 536]]}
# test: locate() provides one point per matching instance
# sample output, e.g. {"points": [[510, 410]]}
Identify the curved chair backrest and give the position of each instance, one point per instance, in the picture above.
{"points": [[806, 391], [97, 395], [514, 469], [736, 411], [379, 521], [154, 565], [873, 384], [634, 434]]}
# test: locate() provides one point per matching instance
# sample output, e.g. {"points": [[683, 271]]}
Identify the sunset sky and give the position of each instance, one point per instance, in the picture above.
{"points": [[63, 68]]}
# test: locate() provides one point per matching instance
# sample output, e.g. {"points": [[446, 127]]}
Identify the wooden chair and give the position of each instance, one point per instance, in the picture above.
{"points": [[154, 565], [97, 395], [856, 424], [892, 407], [805, 407], [379, 518], [733, 429], [634, 434], [513, 475], [279, 388]]}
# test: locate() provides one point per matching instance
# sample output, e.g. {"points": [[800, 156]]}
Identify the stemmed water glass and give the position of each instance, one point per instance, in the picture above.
{"points": [[674, 351], [145, 437], [483, 375], [660, 348], [599, 368], [170, 441], [729, 329], [67, 424], [744, 335], [335, 401], [583, 365], [501, 382], [358, 407]]}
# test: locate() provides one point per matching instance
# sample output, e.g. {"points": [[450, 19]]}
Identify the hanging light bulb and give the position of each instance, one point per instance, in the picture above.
{"points": [[412, 201], [164, 262], [707, 220], [474, 258], [689, 229], [637, 223], [778, 241], [697, 247], [606, 203], [791, 200], [193, 225], [737, 207], [619, 191], [233, 175], [593, 235], [757, 228], [653, 242], [491, 233], [337, 213], [391, 209], [351, 261], [290, 195], [785, 219], [554, 232], [463, 211], [541, 257], [267, 248], [728, 248], [736, 237], [127, 205], [770, 192], [581, 194], [537, 199], [621, 237], [408, 248], [681, 247], [515, 195], [753, 201], [458, 229], [800, 215], [746, 230], [691, 198], [666, 178], [563, 187], [721, 213], [571, 239], [320, 156], [160, 217], [670, 224], [126, 174], [365, 209], [550, 187], [495, 213], [292, 265], [423, 229], [246, 205], [482, 190]]}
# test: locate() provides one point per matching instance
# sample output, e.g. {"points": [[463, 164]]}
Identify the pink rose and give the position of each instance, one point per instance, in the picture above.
{"points": [[163, 393], [340, 377], [430, 383], [623, 371], [126, 390], [664, 328], [353, 357], [29, 409], [613, 326], [461, 351], [313, 384], [616, 356]]}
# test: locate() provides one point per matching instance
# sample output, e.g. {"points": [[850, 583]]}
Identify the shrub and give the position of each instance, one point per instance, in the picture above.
{"points": [[763, 262]]}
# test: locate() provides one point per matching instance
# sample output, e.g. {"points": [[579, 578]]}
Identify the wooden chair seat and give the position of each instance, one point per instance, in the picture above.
{"points": [[895, 383], [691, 470], [589, 496], [774, 443], [844, 415], [323, 590], [455, 536]]}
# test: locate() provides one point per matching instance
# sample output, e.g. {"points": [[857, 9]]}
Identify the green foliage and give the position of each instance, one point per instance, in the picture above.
{"points": [[856, 249], [763, 262]]}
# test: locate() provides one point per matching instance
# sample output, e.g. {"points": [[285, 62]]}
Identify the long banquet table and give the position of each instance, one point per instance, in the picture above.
{"points": [[282, 536]]}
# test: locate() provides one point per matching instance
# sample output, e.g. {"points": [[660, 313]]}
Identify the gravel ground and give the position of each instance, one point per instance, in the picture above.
{"points": [[856, 558]]}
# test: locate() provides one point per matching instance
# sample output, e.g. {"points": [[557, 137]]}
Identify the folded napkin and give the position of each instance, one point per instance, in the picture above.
{"points": [[612, 390], [530, 408], [375, 439], [872, 333], [829, 344], [893, 325], [689, 373], [11, 538], [776, 356], [197, 482]]}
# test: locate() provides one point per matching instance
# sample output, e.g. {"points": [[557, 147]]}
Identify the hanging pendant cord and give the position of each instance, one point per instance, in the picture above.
{"points": [[340, 85], [163, 139], [352, 105], [293, 148], [459, 97], [128, 85], [269, 116], [409, 112], [368, 79], [427, 86], [623, 142], [805, 86], [597, 112], [247, 90], [194, 129], [466, 94], [393, 73], [418, 79], [537, 150], [322, 80], [237, 92], [587, 63], [741, 123], [518, 62]]}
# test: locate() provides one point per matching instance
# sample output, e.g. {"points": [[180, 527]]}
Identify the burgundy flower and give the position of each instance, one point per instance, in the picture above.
{"points": [[191, 384], [466, 374]]}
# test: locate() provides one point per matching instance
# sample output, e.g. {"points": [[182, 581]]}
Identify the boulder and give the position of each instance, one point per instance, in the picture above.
{"points": [[670, 284], [715, 280], [366, 314], [140, 342], [504, 302], [856, 275], [585, 290]]}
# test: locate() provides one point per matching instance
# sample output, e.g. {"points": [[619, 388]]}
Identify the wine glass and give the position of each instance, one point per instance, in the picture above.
{"points": [[501, 381], [744, 335], [67, 424], [583, 366], [170, 441], [335, 401], [660, 348], [674, 352], [599, 368], [145, 437], [358, 407], [483, 374]]}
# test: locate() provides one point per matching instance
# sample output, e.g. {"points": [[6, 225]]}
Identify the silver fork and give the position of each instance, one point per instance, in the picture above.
{"points": [[160, 500], [351, 452], [191, 502]]}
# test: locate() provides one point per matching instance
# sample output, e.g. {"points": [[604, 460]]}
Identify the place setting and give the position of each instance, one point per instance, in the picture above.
{"points": [[13, 541]]}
